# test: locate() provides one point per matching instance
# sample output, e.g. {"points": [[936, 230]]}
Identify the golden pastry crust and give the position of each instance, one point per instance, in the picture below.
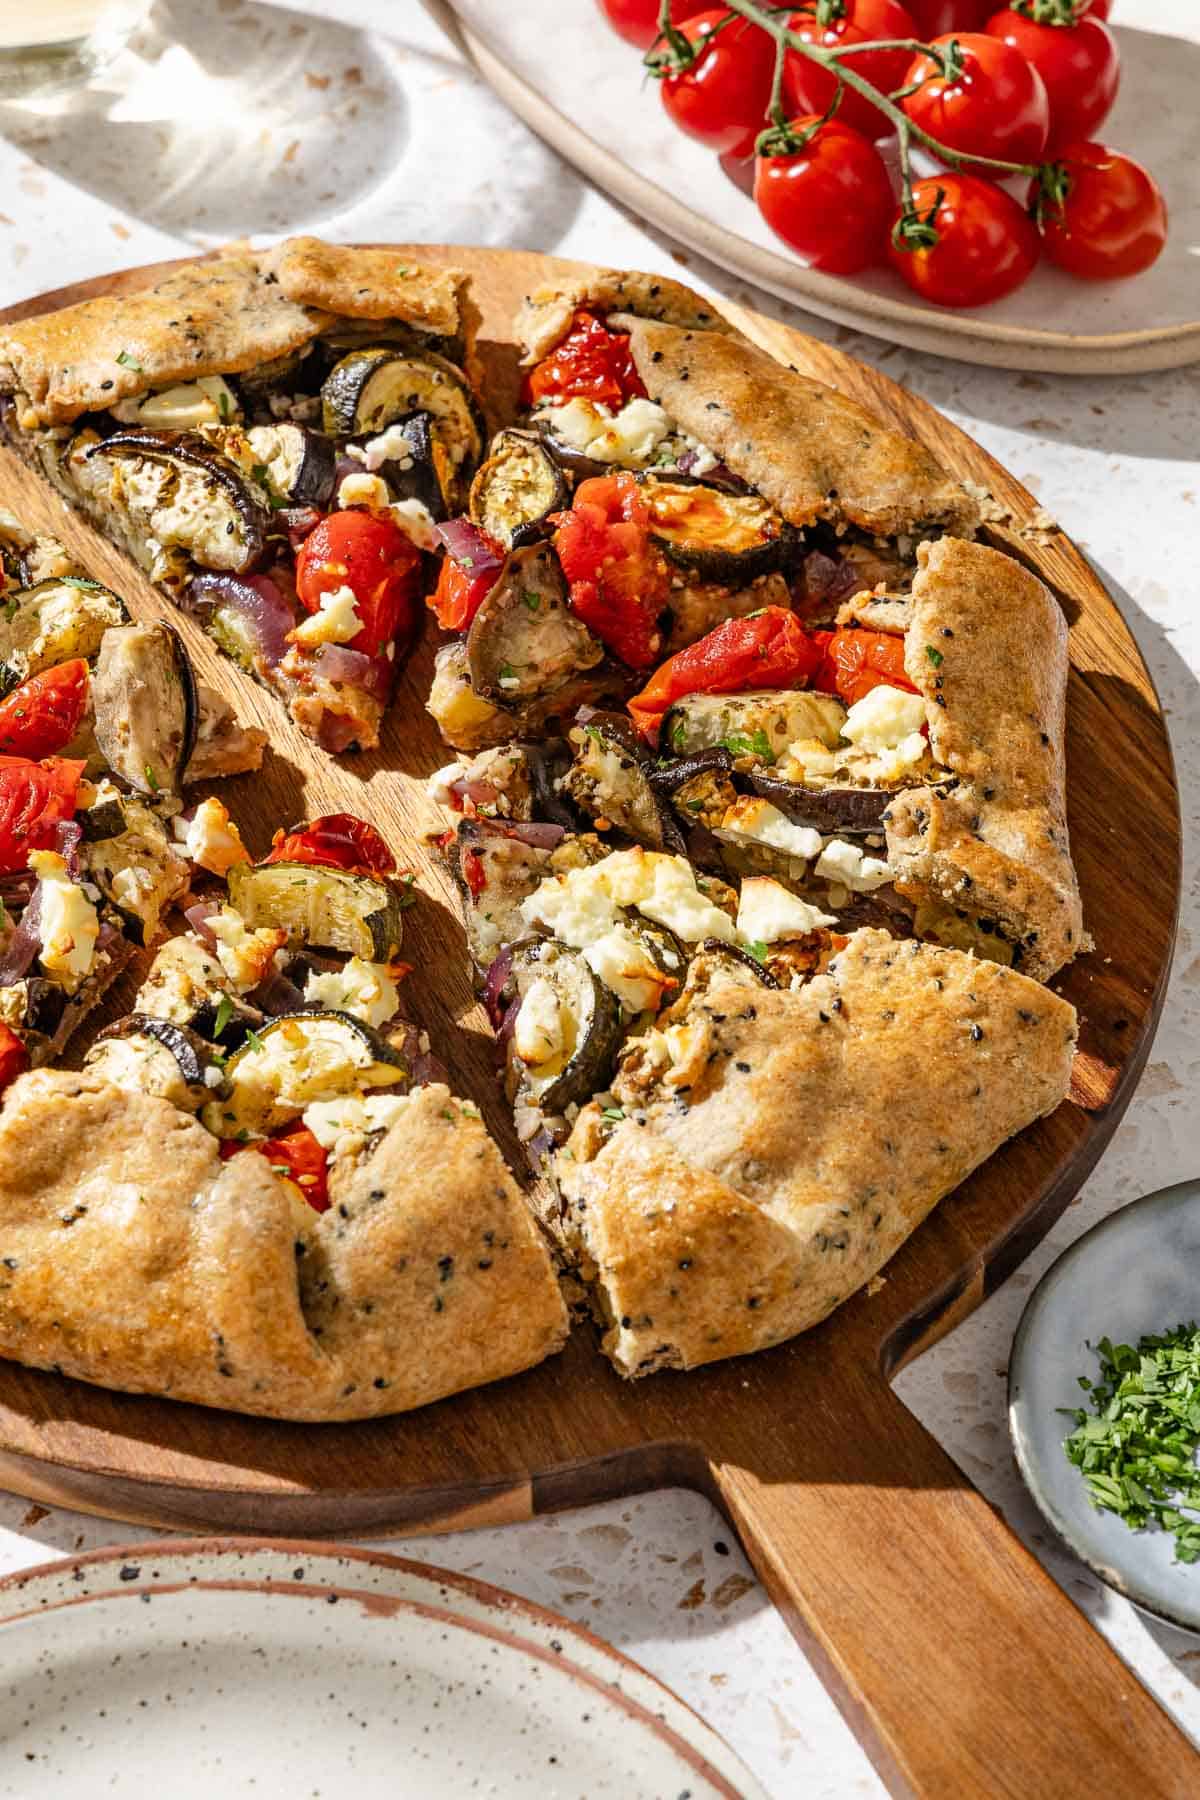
{"points": [[217, 317], [987, 648], [815, 454], [547, 312], [813, 1141], [134, 1258]]}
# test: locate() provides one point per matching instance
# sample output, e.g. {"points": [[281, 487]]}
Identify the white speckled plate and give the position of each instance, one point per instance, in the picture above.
{"points": [[1134, 1273], [295, 1670]]}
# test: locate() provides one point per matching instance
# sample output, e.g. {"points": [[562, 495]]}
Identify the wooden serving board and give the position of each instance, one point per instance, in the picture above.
{"points": [[962, 1665]]}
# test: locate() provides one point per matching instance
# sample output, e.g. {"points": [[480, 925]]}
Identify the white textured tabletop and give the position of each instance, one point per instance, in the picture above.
{"points": [[230, 117]]}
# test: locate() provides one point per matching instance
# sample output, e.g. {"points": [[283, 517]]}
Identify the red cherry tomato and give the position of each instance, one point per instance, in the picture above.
{"points": [[368, 553], [1112, 219], [619, 583], [34, 798], [935, 17], [808, 88], [590, 363], [986, 244], [765, 649], [1079, 64], [463, 586], [14, 1057], [637, 20], [722, 98], [996, 107], [334, 841], [1099, 9], [297, 1156], [853, 662], [45, 712], [831, 202]]}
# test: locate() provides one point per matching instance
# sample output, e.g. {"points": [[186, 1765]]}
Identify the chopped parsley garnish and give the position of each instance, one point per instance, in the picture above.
{"points": [[758, 950], [750, 743], [531, 599], [507, 672], [408, 898], [679, 734], [81, 581], [1136, 1448], [152, 781], [10, 610], [223, 406], [935, 656], [224, 1014], [613, 1112], [262, 475], [253, 1040], [129, 362]]}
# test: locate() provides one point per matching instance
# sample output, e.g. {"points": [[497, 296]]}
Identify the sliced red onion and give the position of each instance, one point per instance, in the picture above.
{"points": [[538, 835], [494, 984], [198, 916], [423, 1065], [298, 522], [336, 733], [718, 475], [468, 546], [828, 578], [256, 599], [479, 793], [508, 1023], [373, 674], [24, 944], [16, 889], [68, 834]]}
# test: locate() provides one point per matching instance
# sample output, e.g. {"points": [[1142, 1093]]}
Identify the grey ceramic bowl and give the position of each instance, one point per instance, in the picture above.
{"points": [[1137, 1271]]}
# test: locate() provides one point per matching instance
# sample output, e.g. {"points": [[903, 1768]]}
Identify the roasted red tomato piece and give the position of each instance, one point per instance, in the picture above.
{"points": [[619, 580], [368, 553], [44, 713], [767, 649], [466, 578], [34, 798], [855, 661], [297, 1156], [591, 363], [334, 841], [14, 1057]]}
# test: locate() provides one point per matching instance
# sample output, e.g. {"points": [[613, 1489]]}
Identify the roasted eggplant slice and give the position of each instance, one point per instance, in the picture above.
{"points": [[566, 1029], [294, 1060], [373, 387], [722, 537], [331, 909], [154, 1056], [524, 640], [610, 779], [145, 706], [187, 985], [495, 869], [298, 464], [753, 725], [417, 464], [518, 485], [834, 811], [52, 622], [178, 489], [138, 870]]}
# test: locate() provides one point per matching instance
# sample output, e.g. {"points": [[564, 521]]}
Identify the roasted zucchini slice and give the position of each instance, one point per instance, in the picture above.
{"points": [[137, 869], [177, 488], [721, 537], [52, 622], [329, 909], [494, 871], [525, 640], [155, 1056], [296, 1059], [515, 489], [566, 1031], [187, 986], [756, 725], [373, 387], [298, 464], [145, 706], [610, 779]]}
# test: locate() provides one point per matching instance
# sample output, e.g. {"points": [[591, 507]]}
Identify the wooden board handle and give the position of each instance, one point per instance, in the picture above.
{"points": [[961, 1665]]}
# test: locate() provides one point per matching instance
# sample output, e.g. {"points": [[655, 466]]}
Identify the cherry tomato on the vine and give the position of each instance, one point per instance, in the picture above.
{"points": [[934, 17], [722, 98], [1099, 9], [637, 20], [808, 88], [1110, 218], [1079, 64], [986, 245], [995, 106], [831, 201]]}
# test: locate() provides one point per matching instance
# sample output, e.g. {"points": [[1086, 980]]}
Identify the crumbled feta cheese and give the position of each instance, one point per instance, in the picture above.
{"points": [[392, 445], [847, 864], [340, 1126], [68, 925], [632, 435], [908, 754], [813, 757], [762, 823], [245, 956], [363, 989], [538, 1033], [211, 839], [440, 783], [416, 522], [363, 490], [883, 718], [337, 621], [767, 912], [212, 1076], [207, 401]]}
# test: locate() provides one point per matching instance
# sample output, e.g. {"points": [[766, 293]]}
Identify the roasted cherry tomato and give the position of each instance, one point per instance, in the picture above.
{"points": [[722, 97], [1103, 215], [14, 1057], [297, 1156], [368, 553], [590, 363], [808, 88], [637, 20], [936, 17], [766, 649], [994, 105], [619, 581], [463, 584], [34, 798], [855, 661], [334, 841], [45, 712], [984, 245], [830, 201], [1077, 58]]}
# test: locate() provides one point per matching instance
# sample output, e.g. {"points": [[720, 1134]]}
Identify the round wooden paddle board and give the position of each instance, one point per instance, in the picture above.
{"points": [[928, 1617]]}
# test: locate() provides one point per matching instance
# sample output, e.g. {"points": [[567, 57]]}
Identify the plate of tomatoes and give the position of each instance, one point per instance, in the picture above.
{"points": [[1012, 185]]}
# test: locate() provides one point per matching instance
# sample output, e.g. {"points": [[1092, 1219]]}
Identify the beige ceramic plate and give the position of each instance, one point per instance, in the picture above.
{"points": [[288, 1668], [580, 88]]}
